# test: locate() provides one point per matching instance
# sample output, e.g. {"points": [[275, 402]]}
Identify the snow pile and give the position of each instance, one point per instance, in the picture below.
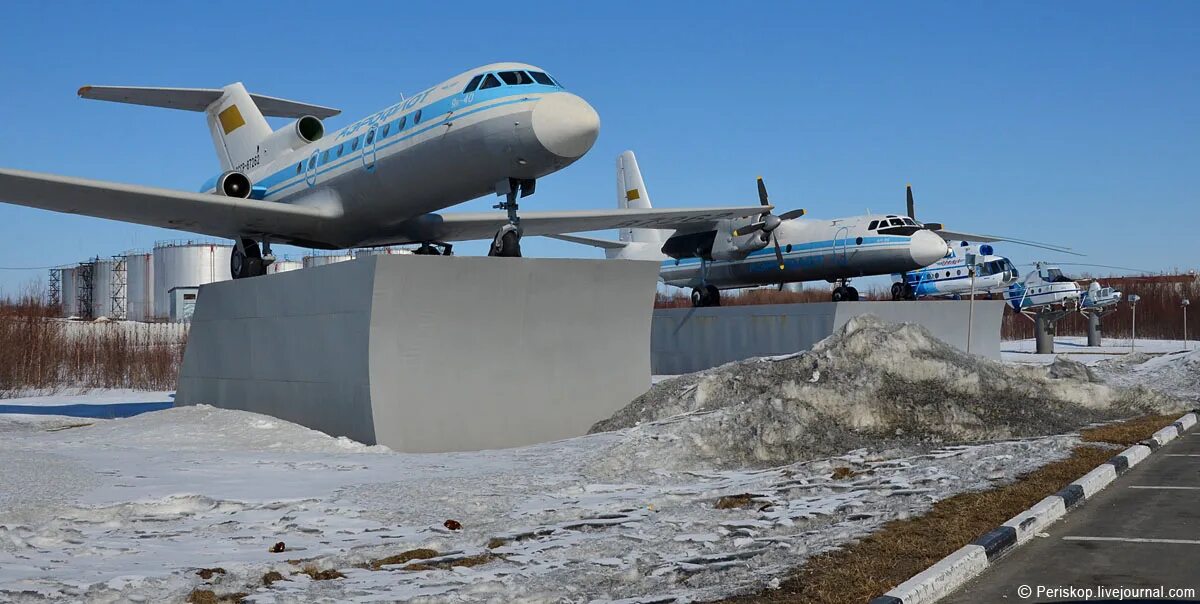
{"points": [[224, 430], [870, 384], [1176, 373]]}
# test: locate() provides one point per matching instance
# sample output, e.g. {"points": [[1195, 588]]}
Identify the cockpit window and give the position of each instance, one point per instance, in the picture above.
{"points": [[909, 222], [473, 84], [871, 227], [515, 78], [489, 81], [1054, 275], [896, 222], [541, 78]]}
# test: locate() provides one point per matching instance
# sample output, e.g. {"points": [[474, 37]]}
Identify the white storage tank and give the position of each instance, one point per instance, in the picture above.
{"points": [[107, 300], [323, 259], [69, 291], [186, 264], [139, 286], [381, 251], [283, 266]]}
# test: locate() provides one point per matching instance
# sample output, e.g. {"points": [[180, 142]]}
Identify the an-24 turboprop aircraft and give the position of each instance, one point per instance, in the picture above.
{"points": [[738, 256], [378, 181]]}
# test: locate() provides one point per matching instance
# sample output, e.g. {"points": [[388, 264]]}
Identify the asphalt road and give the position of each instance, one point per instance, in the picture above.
{"points": [[1142, 531]]}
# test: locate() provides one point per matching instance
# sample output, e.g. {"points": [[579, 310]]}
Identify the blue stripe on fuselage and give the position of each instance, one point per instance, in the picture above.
{"points": [[797, 248], [432, 115]]}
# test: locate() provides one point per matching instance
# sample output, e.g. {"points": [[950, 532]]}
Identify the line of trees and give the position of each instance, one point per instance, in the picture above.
{"points": [[39, 353]]}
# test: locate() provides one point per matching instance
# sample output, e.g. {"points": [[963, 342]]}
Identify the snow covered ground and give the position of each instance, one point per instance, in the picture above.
{"points": [[1076, 348], [130, 509]]}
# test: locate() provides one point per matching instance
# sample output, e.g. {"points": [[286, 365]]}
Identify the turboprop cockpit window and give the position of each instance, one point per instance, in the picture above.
{"points": [[909, 221], [489, 81], [472, 84], [896, 222], [541, 78], [871, 227]]}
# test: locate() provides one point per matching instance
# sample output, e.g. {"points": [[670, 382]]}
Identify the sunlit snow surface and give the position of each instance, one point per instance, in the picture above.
{"points": [[129, 510]]}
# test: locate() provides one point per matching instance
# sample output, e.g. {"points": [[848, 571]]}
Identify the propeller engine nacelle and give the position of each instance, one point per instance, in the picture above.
{"points": [[234, 184], [730, 244]]}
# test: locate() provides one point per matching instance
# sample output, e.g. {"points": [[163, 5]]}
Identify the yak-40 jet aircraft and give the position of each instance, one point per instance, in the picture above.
{"points": [[378, 181]]}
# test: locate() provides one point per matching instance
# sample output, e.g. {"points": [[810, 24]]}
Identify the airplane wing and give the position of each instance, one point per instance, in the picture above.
{"points": [[604, 244], [203, 213], [955, 235], [483, 225]]}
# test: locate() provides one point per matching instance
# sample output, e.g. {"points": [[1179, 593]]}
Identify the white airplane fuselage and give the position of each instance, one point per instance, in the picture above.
{"points": [[436, 149]]}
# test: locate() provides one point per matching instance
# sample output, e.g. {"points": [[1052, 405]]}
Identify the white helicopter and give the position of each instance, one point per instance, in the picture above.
{"points": [[1045, 287], [952, 276]]}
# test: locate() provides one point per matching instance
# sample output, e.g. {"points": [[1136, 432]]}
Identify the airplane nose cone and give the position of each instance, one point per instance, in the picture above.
{"points": [[927, 247], [565, 124]]}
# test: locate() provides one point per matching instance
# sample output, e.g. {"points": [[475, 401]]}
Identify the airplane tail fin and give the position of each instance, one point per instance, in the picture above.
{"points": [[631, 194], [235, 117]]}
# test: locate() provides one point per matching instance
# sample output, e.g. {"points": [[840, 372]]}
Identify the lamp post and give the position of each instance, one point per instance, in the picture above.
{"points": [[1133, 300], [1184, 304]]}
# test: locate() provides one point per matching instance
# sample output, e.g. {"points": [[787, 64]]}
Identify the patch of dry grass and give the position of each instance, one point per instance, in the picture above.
{"points": [[731, 502], [903, 548], [317, 574], [208, 596], [403, 557], [1129, 432], [468, 561]]}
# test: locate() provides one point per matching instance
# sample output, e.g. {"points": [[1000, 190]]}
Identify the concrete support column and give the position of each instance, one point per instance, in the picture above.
{"points": [[1093, 329], [1044, 333]]}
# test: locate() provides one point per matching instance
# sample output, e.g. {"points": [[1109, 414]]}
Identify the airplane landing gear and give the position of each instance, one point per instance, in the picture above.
{"points": [[433, 248], [247, 260], [845, 293], [903, 291], [707, 295], [507, 242]]}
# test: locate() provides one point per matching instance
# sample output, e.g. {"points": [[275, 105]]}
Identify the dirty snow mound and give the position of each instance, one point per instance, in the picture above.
{"points": [[1176, 374], [870, 384]]}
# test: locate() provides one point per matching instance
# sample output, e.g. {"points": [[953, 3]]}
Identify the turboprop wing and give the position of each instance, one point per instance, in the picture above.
{"points": [[483, 225]]}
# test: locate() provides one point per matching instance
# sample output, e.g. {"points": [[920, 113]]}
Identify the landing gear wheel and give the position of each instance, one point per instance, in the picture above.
{"points": [[897, 291], [713, 295], [851, 294], [909, 293], [697, 298], [425, 250], [246, 260], [839, 294], [507, 244]]}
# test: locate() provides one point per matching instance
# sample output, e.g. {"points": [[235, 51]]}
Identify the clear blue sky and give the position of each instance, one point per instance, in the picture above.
{"points": [[1073, 122]]}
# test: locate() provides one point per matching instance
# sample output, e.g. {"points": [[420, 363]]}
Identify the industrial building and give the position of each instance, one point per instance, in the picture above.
{"points": [[153, 286]]}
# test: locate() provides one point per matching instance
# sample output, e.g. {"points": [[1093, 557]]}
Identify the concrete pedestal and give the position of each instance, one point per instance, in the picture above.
{"points": [[428, 353], [692, 339]]}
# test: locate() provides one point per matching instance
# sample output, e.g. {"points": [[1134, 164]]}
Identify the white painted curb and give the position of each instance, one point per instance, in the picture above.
{"points": [[1042, 514], [1098, 478], [942, 578]]}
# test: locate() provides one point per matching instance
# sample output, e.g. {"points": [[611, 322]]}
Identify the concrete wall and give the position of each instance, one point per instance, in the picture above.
{"points": [[684, 340], [428, 353]]}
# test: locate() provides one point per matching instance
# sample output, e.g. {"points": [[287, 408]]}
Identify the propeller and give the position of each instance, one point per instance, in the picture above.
{"points": [[912, 211], [768, 223]]}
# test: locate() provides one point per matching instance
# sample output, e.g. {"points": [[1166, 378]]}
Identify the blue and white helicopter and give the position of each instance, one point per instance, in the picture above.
{"points": [[952, 276]]}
